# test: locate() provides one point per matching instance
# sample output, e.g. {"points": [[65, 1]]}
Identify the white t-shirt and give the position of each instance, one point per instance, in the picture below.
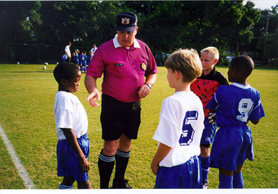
{"points": [[180, 127], [67, 49], [69, 113], [94, 50]]}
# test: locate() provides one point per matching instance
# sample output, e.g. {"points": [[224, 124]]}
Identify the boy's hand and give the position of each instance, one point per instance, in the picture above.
{"points": [[85, 166], [154, 168], [160, 154]]}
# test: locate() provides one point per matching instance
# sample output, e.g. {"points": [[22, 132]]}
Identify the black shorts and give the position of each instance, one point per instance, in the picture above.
{"points": [[119, 118]]}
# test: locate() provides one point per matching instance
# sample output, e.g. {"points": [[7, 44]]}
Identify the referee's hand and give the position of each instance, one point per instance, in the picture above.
{"points": [[93, 97], [144, 91]]}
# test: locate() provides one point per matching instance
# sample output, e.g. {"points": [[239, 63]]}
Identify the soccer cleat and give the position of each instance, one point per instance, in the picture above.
{"points": [[205, 185], [121, 184]]}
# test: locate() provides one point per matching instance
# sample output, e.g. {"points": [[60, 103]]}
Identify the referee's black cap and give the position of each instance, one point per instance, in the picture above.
{"points": [[126, 21]]}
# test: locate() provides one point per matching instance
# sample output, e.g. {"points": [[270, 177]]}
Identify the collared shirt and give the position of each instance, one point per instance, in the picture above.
{"points": [[124, 69], [117, 44]]}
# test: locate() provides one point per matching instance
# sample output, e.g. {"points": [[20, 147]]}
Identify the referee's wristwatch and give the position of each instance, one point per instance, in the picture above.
{"points": [[149, 85]]}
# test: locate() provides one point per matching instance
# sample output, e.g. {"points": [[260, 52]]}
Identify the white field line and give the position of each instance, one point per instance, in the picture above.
{"points": [[20, 168]]}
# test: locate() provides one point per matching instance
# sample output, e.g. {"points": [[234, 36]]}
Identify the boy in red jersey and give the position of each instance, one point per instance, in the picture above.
{"points": [[205, 87]]}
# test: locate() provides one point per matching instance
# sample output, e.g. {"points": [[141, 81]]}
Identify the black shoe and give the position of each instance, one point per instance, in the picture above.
{"points": [[121, 184]]}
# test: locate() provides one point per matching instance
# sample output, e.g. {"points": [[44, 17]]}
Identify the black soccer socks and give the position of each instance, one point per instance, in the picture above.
{"points": [[105, 166], [121, 164]]}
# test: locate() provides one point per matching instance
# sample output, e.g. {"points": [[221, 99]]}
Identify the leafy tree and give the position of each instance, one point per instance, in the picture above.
{"points": [[102, 21], [195, 24], [264, 45], [163, 25], [14, 21], [16, 29]]}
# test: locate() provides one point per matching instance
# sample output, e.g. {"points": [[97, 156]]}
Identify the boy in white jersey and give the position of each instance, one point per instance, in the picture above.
{"points": [[235, 105], [71, 125], [176, 163]]}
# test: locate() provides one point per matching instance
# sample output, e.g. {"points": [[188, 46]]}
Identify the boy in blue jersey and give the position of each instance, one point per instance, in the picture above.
{"points": [[235, 105], [76, 57], [176, 162], [83, 61], [90, 57], [64, 58]]}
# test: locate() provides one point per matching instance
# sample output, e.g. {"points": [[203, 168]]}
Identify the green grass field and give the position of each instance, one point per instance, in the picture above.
{"points": [[26, 115]]}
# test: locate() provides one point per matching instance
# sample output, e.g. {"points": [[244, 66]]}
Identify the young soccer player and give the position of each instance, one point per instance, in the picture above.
{"points": [[235, 105], [64, 58], [83, 61], [76, 57], [204, 87], [71, 125], [176, 163], [90, 57]]}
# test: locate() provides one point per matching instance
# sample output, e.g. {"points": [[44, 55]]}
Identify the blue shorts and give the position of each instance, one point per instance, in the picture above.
{"points": [[232, 145], [68, 162], [76, 61], [208, 132], [187, 175]]}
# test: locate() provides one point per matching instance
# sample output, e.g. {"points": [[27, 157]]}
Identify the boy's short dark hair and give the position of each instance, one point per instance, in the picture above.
{"points": [[244, 64], [65, 70]]}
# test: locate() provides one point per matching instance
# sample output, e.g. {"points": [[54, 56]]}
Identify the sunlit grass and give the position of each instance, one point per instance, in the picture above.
{"points": [[26, 112]]}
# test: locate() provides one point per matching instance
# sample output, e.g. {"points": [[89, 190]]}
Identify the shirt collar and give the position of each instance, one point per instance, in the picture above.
{"points": [[117, 44], [241, 85]]}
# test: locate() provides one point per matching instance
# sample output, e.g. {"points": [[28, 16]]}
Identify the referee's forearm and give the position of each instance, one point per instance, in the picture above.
{"points": [[90, 83], [151, 79]]}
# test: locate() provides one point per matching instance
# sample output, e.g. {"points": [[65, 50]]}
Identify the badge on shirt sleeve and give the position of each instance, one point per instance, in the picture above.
{"points": [[143, 66]]}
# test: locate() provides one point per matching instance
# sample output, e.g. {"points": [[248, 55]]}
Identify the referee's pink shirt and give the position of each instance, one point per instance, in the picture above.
{"points": [[123, 68]]}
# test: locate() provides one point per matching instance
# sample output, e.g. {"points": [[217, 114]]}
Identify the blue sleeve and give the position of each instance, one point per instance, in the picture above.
{"points": [[257, 112], [212, 104]]}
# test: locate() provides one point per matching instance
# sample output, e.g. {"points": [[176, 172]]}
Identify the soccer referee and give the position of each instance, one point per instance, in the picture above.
{"points": [[129, 72]]}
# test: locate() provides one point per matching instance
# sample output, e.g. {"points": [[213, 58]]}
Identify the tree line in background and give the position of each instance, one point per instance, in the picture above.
{"points": [[34, 31]]}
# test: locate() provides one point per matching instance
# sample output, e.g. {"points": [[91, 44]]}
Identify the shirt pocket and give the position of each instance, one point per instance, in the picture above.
{"points": [[118, 68], [142, 66]]}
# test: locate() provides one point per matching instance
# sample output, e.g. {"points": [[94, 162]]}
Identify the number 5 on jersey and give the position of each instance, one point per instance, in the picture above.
{"points": [[187, 131]]}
